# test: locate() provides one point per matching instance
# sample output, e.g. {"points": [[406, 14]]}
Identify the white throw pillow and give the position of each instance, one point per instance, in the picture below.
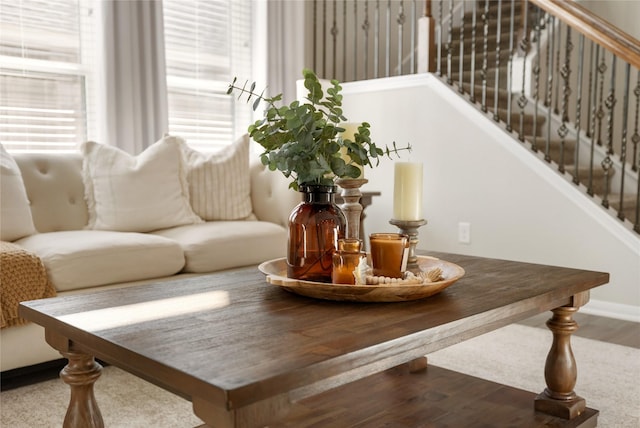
{"points": [[15, 211], [136, 193], [220, 183]]}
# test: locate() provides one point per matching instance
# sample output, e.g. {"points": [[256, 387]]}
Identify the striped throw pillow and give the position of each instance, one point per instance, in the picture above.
{"points": [[219, 183]]}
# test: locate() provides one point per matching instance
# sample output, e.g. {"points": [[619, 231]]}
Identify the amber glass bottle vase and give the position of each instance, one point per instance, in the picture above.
{"points": [[315, 225]]}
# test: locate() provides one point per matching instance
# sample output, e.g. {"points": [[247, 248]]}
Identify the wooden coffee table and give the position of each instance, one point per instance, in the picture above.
{"points": [[247, 353]]}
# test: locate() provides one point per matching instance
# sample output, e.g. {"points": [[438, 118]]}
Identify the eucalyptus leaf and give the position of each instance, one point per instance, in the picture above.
{"points": [[303, 140]]}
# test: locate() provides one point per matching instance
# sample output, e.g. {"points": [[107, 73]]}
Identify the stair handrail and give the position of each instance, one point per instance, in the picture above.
{"points": [[600, 31]]}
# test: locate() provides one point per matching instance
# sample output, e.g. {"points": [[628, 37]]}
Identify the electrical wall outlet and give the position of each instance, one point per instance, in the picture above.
{"points": [[464, 233]]}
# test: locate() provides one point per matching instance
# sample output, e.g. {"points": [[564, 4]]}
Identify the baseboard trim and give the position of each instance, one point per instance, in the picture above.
{"points": [[23, 376], [612, 310]]}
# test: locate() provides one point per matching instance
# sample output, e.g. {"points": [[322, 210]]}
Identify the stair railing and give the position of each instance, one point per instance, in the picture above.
{"points": [[365, 39], [608, 48], [563, 81], [578, 109]]}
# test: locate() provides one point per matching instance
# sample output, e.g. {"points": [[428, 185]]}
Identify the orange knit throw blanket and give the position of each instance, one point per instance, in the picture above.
{"points": [[22, 277]]}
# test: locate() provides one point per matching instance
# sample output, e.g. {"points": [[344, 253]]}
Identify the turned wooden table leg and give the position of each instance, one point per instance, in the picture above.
{"points": [[418, 365], [560, 372], [80, 374]]}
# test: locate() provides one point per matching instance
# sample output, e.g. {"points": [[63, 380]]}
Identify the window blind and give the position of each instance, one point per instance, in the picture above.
{"points": [[46, 74], [207, 43]]}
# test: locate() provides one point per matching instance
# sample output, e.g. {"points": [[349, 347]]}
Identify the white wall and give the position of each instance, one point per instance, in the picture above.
{"points": [[622, 13], [519, 209]]}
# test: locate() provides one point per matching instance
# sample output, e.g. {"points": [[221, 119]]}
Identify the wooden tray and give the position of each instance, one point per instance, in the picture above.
{"points": [[276, 272]]}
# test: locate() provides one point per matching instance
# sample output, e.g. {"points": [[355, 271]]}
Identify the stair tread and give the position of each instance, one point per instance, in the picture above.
{"points": [[478, 60], [629, 204], [584, 170], [627, 197]]}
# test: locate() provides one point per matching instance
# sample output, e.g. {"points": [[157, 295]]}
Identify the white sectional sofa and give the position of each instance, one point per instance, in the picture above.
{"points": [[82, 252]]}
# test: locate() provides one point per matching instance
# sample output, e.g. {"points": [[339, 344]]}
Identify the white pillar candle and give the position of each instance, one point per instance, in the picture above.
{"points": [[350, 130], [407, 191]]}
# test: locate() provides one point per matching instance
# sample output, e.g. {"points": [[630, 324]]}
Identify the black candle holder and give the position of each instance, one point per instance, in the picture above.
{"points": [[410, 228]]}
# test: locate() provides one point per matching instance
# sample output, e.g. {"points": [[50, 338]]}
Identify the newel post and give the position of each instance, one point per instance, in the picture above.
{"points": [[426, 41]]}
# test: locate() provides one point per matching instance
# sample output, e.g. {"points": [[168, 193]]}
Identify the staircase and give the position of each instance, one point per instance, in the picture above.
{"points": [[529, 123]]}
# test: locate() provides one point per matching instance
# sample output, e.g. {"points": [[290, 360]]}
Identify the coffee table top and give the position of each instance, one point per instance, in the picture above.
{"points": [[235, 339]]}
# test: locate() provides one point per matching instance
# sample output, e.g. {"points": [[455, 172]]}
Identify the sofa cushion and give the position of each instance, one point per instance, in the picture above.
{"points": [[219, 183], [86, 258], [217, 245], [55, 190], [136, 193], [15, 213]]}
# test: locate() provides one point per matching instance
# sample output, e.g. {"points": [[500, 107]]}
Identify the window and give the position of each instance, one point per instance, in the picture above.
{"points": [[48, 71], [207, 44], [46, 78]]}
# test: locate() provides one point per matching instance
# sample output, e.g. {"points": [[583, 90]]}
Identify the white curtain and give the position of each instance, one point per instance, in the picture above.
{"points": [[134, 96], [285, 46]]}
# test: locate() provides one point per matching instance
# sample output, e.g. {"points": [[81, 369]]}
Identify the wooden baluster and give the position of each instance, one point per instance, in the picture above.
{"points": [[560, 372], [80, 374]]}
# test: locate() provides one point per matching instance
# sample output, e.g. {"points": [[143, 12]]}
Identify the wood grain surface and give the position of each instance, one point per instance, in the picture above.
{"points": [[230, 341]]}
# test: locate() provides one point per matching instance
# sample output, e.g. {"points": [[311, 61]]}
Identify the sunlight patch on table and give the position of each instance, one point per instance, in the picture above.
{"points": [[135, 313]]}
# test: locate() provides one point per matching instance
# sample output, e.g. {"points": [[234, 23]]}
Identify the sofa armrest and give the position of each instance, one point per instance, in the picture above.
{"points": [[270, 194]]}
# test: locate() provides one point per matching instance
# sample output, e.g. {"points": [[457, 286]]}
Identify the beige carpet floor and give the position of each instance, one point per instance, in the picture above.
{"points": [[608, 377]]}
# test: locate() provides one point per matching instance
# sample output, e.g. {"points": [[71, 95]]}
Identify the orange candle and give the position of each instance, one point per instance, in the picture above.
{"points": [[389, 253], [346, 260], [343, 274]]}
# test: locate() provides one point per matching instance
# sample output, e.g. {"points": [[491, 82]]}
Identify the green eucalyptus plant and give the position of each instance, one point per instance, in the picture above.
{"points": [[303, 140]]}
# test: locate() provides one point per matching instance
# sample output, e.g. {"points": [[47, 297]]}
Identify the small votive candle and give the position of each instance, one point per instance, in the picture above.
{"points": [[389, 252], [346, 260], [407, 191]]}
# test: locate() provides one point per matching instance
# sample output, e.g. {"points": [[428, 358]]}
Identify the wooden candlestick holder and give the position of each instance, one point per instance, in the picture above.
{"points": [[410, 228], [351, 207]]}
